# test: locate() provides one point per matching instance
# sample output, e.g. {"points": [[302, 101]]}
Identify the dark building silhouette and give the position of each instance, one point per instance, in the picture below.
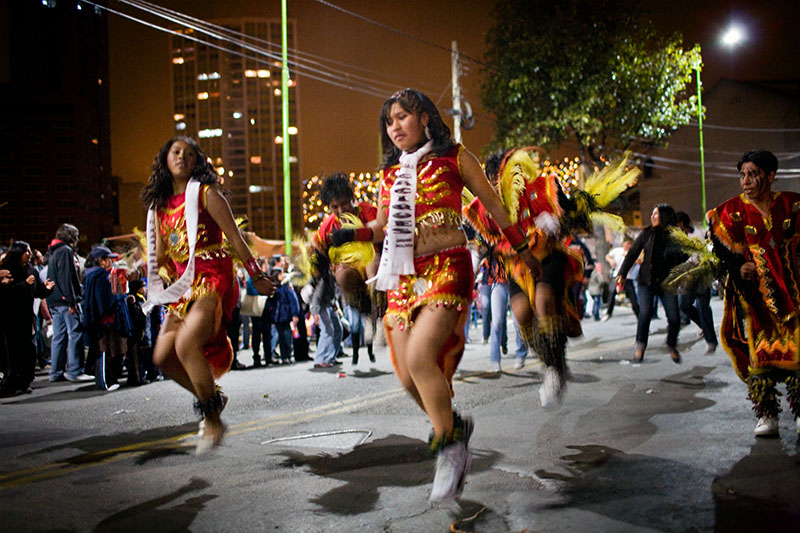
{"points": [[55, 154]]}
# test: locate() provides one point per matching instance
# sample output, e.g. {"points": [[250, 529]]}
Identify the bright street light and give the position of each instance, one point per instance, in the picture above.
{"points": [[733, 36]]}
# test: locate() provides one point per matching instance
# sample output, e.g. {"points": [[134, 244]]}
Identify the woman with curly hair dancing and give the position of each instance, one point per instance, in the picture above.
{"points": [[187, 216]]}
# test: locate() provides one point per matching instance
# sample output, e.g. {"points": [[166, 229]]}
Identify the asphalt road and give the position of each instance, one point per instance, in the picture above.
{"points": [[636, 447]]}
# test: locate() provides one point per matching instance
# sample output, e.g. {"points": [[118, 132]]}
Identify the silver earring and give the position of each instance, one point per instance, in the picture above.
{"points": [[427, 133]]}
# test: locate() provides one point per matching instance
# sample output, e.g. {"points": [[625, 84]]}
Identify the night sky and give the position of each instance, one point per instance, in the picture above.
{"points": [[338, 127]]}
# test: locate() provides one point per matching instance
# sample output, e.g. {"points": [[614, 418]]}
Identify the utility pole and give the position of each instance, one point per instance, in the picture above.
{"points": [[455, 68]]}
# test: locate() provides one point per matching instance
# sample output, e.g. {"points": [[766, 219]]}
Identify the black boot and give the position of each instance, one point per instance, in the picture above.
{"points": [[370, 352], [356, 345]]}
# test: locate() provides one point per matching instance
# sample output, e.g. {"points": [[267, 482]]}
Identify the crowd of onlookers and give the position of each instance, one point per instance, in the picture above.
{"points": [[78, 316]]}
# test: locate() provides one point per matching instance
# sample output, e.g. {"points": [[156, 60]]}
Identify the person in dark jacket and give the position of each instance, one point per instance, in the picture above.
{"points": [[283, 309], [100, 323], [659, 258], [17, 319], [63, 305]]}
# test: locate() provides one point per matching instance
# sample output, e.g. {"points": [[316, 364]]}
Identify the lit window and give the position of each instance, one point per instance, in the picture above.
{"points": [[202, 96], [217, 132], [292, 130], [250, 74], [230, 173], [264, 73], [177, 61], [255, 159], [221, 171], [237, 115], [290, 83], [178, 116], [180, 126], [254, 188], [213, 76], [99, 81], [203, 76], [278, 139], [253, 121], [277, 92], [94, 141], [292, 159]]}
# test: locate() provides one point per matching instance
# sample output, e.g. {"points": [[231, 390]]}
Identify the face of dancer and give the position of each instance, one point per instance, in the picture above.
{"points": [[406, 130], [340, 205], [26, 257], [755, 182], [655, 218], [181, 160]]}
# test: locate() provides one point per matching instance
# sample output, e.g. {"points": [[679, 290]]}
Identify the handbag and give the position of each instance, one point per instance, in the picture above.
{"points": [[253, 305]]}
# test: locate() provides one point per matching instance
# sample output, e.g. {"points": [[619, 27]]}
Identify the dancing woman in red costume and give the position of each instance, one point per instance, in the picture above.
{"points": [[187, 216], [426, 268]]}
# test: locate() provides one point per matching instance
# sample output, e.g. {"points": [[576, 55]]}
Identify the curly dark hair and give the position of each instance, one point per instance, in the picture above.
{"points": [[159, 184], [336, 185], [413, 101]]}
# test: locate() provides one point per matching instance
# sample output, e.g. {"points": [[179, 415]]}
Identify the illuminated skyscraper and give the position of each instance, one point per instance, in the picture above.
{"points": [[231, 103]]}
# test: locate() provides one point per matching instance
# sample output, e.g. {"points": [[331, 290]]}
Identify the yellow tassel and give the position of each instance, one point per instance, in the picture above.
{"points": [[518, 170], [612, 222], [607, 184], [357, 254]]}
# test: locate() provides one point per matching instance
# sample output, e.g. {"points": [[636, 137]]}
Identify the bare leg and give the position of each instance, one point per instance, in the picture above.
{"points": [[164, 355], [399, 342], [198, 327], [431, 329]]}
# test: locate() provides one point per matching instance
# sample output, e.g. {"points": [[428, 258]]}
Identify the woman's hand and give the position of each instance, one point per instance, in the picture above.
{"points": [[264, 286], [748, 271], [49, 284], [532, 263], [30, 280]]}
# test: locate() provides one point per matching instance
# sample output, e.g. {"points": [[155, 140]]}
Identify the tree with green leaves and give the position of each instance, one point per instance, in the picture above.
{"points": [[590, 71]]}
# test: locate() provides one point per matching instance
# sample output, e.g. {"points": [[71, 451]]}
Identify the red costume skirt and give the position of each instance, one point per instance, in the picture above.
{"points": [[213, 278], [443, 278]]}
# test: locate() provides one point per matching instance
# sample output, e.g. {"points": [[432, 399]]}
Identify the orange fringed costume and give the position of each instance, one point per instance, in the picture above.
{"points": [[538, 195], [760, 327], [213, 271], [442, 278]]}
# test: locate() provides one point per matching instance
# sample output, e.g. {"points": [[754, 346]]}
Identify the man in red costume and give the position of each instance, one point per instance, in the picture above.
{"points": [[756, 236]]}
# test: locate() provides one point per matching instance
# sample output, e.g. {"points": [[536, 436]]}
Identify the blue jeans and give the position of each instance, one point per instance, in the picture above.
{"points": [[598, 303], [698, 308], [647, 296], [356, 320], [499, 330], [66, 338], [330, 335], [285, 340], [486, 309]]}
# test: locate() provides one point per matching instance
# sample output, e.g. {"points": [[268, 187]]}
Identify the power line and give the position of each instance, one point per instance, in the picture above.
{"points": [[312, 58], [395, 30], [323, 76], [737, 128]]}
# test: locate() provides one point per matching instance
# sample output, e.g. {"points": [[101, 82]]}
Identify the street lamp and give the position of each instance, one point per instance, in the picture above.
{"points": [[733, 36]]}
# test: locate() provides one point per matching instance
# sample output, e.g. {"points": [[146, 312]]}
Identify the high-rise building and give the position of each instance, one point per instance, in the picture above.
{"points": [[55, 157], [231, 103]]}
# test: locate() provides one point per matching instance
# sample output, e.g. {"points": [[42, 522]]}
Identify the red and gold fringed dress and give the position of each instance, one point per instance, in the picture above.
{"points": [[530, 197], [760, 327], [214, 276], [442, 278]]}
